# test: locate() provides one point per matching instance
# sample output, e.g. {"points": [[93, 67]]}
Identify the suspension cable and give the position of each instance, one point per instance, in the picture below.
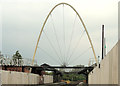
{"points": [[64, 34], [49, 55], [56, 35], [76, 58], [52, 45], [76, 45], [71, 35], [81, 22]]}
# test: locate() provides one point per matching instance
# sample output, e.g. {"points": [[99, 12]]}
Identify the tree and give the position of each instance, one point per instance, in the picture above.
{"points": [[1, 58], [17, 56], [74, 76]]}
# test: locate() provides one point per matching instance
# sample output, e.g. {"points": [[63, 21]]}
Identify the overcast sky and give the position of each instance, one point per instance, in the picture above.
{"points": [[21, 22]]}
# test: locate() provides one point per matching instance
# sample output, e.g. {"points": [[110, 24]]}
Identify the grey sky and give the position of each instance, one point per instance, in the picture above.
{"points": [[23, 19]]}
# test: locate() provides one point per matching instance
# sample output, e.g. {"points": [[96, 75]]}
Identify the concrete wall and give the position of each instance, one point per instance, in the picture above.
{"points": [[8, 77], [0, 77], [108, 71], [119, 45], [48, 79]]}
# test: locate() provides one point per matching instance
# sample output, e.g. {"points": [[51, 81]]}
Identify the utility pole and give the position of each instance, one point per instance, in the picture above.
{"points": [[102, 41]]}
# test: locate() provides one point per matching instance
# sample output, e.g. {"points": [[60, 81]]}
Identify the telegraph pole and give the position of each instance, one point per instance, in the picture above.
{"points": [[102, 41]]}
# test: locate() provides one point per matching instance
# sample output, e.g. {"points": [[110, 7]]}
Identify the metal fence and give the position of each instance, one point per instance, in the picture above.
{"points": [[8, 60]]}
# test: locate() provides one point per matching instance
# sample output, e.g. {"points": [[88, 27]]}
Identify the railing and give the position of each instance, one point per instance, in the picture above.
{"points": [[16, 62]]}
